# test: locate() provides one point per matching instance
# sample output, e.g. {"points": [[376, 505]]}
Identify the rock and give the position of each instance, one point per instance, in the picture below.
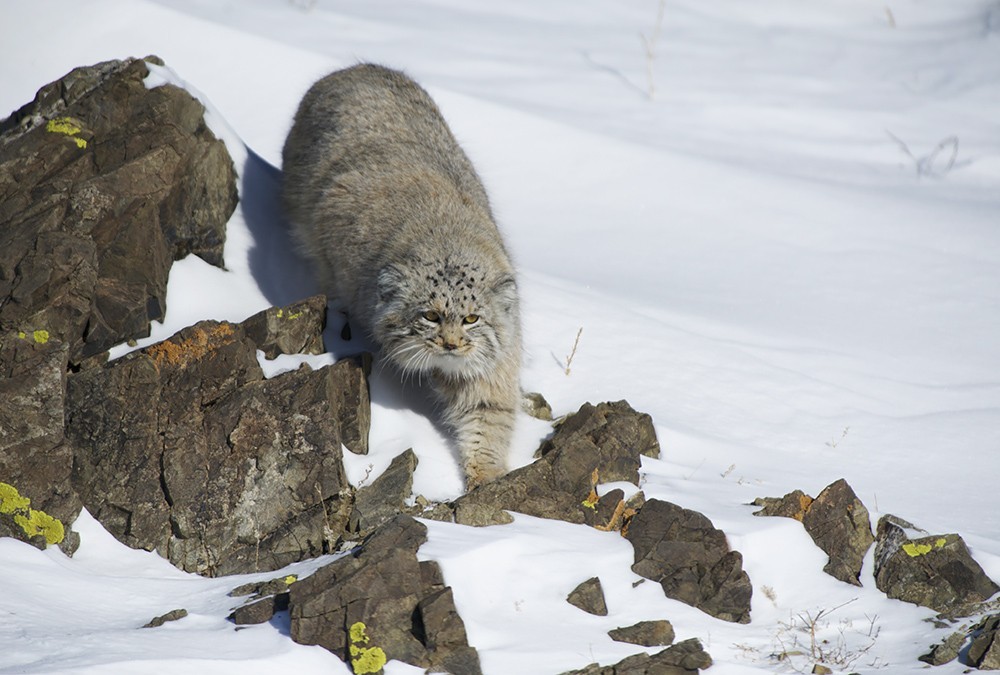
{"points": [[947, 651], [659, 633], [34, 462], [535, 405], [589, 596], [172, 615], [223, 471], [933, 571], [295, 329], [683, 658], [793, 505], [984, 652], [379, 603], [386, 496], [836, 520], [259, 611], [599, 443], [103, 183], [820, 669], [690, 559]]}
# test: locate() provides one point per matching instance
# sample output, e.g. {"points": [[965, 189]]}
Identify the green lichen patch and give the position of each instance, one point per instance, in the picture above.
{"points": [[364, 660], [32, 521], [66, 126]]}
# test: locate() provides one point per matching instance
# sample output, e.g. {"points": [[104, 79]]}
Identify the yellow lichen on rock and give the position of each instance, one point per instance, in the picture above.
{"points": [[32, 521], [68, 127], [364, 660]]}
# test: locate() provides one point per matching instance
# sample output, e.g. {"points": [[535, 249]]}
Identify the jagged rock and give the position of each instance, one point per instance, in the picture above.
{"points": [[103, 183], [933, 571], [607, 439], [295, 329], [379, 603], [683, 658], [690, 559], [946, 651], [223, 471], [984, 652], [589, 596], [836, 520], [172, 615], [659, 633], [386, 496]]}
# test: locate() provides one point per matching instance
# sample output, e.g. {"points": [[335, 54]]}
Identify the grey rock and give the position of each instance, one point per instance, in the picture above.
{"points": [[589, 596], [690, 559], [684, 658], [935, 571], [224, 471], [946, 651], [381, 598], [172, 615], [386, 496], [984, 652], [658, 633], [295, 329], [608, 439]]}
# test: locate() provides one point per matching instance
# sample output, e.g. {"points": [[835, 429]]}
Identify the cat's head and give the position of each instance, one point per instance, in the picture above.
{"points": [[450, 316]]}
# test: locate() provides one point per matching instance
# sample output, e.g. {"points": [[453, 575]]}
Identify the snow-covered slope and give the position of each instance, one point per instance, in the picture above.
{"points": [[777, 223]]}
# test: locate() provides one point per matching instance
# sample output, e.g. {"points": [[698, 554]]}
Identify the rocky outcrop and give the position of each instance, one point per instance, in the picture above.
{"points": [[386, 497], [223, 470], [599, 443], [103, 184], [380, 603], [682, 551], [984, 652], [935, 571], [683, 658], [836, 520]]}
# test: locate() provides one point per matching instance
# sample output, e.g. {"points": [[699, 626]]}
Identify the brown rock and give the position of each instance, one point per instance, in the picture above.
{"points": [[589, 596], [683, 658], [659, 633], [381, 598], [607, 439], [690, 559]]}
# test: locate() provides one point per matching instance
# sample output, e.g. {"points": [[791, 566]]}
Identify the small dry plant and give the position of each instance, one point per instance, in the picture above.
{"points": [[929, 164], [576, 343], [649, 46], [811, 638]]}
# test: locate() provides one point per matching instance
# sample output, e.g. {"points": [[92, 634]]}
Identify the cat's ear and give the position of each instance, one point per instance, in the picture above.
{"points": [[389, 283], [505, 292]]}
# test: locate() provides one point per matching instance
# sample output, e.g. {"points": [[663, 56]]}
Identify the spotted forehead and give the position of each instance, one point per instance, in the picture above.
{"points": [[452, 284]]}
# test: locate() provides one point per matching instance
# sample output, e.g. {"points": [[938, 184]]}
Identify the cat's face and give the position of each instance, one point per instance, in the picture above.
{"points": [[446, 317]]}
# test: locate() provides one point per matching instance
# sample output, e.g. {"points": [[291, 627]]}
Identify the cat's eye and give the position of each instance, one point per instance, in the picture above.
{"points": [[432, 316], [470, 319]]}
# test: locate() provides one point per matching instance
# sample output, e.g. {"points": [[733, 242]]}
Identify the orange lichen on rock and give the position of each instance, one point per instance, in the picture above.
{"points": [[192, 345]]}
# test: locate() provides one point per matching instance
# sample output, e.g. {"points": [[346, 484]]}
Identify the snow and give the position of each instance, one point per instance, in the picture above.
{"points": [[777, 228]]}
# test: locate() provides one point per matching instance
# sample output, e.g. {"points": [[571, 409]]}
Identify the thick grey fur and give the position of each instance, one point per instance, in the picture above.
{"points": [[397, 225]]}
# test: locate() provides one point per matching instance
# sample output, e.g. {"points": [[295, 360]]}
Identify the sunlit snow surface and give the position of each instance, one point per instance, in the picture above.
{"points": [[778, 227]]}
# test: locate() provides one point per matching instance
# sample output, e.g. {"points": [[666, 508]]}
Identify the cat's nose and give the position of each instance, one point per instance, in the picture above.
{"points": [[450, 346]]}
